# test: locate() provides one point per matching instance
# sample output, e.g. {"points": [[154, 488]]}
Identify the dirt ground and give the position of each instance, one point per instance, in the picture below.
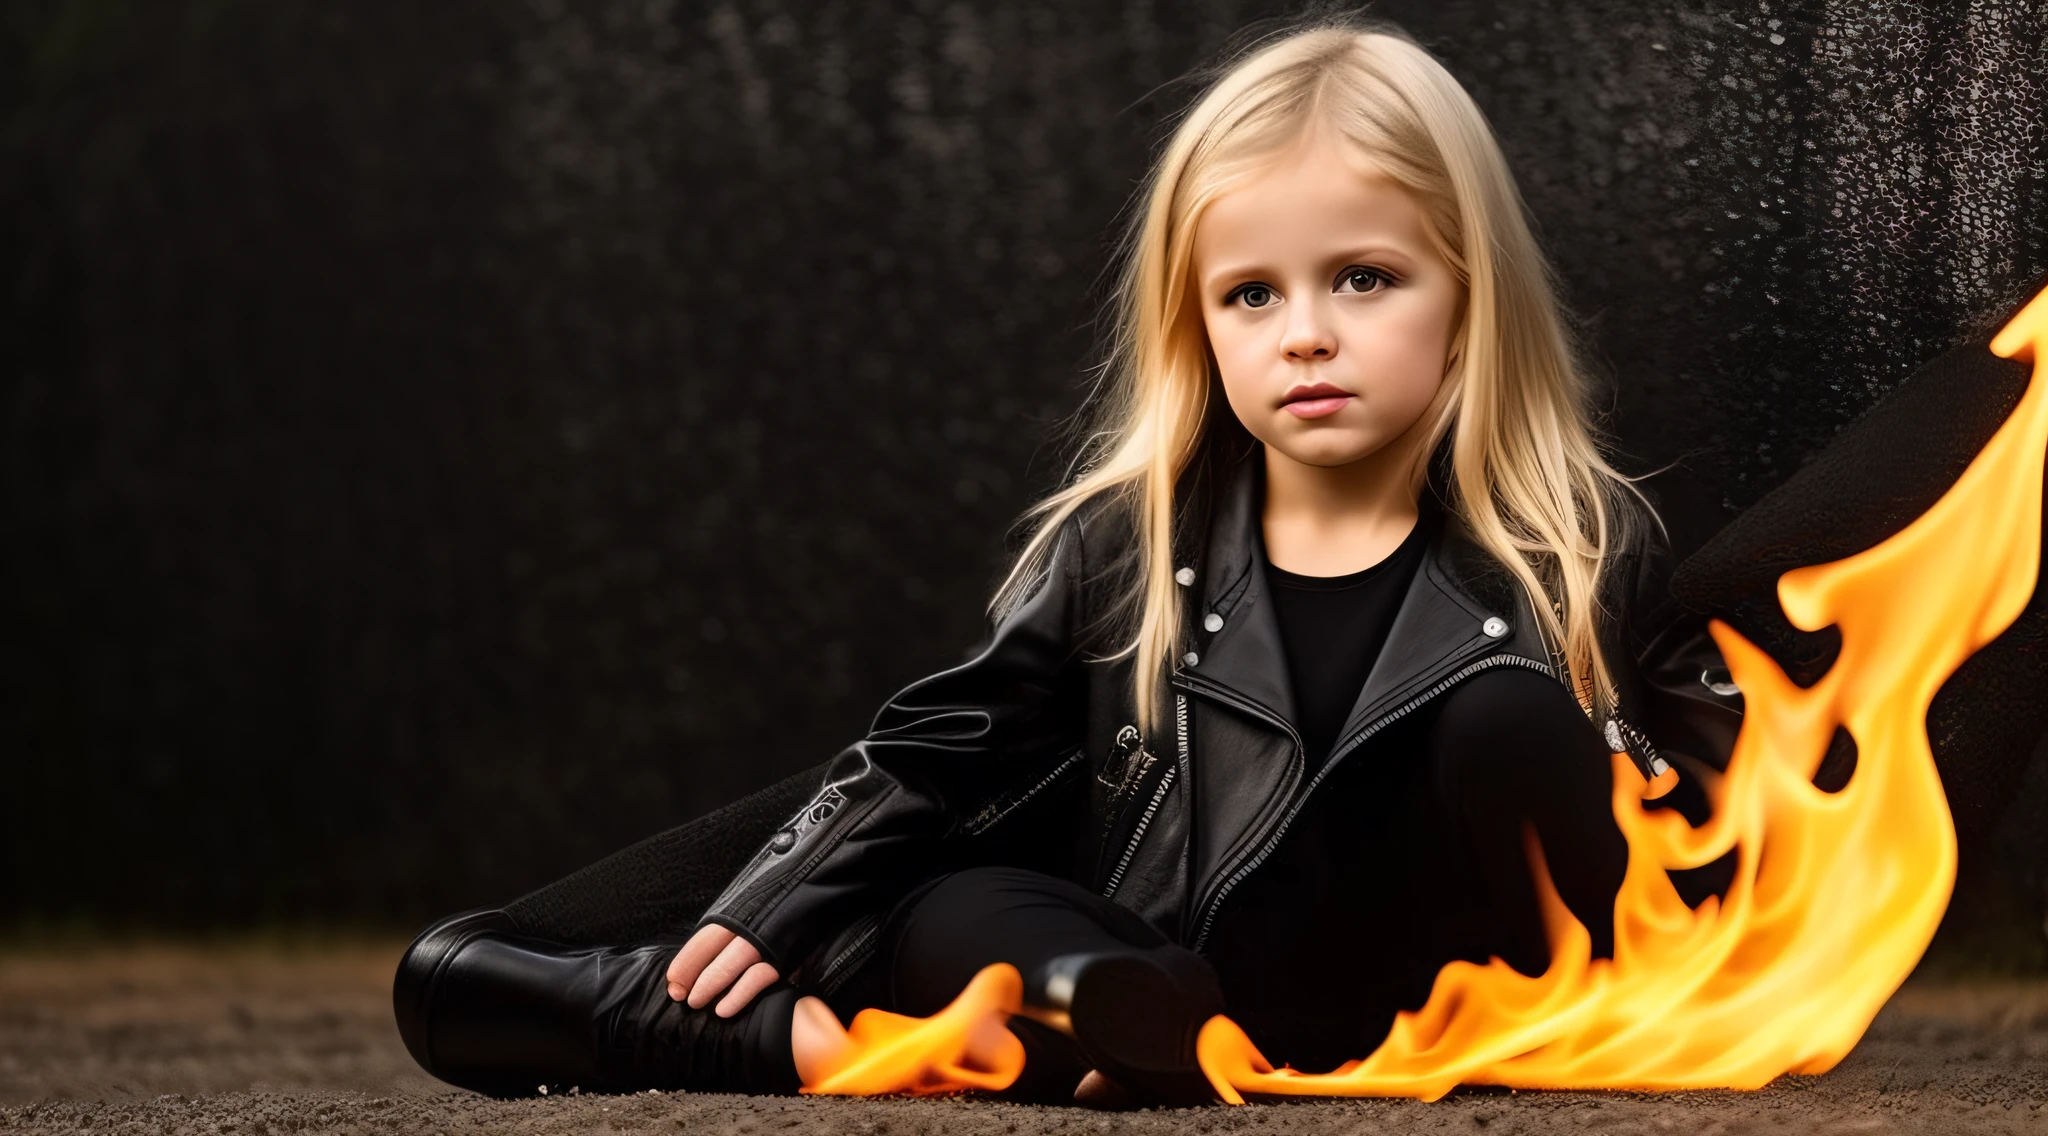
{"points": [[256, 1041]]}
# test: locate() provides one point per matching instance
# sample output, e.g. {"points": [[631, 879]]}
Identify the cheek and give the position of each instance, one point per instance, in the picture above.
{"points": [[1240, 354], [1402, 349]]}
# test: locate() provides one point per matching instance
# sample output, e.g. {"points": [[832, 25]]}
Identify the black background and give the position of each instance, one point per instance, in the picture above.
{"points": [[445, 442]]}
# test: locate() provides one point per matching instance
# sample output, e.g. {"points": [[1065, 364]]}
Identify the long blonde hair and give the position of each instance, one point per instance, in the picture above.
{"points": [[1525, 473]]}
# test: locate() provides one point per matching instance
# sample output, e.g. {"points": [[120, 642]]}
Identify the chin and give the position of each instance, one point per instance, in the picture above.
{"points": [[1328, 453]]}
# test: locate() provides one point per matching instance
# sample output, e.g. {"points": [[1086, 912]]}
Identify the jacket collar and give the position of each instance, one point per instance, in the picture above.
{"points": [[1446, 620]]}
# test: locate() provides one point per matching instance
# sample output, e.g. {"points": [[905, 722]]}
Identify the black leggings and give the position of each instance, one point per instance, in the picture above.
{"points": [[1402, 863]]}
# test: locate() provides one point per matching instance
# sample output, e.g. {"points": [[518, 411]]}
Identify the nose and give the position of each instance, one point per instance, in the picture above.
{"points": [[1308, 335]]}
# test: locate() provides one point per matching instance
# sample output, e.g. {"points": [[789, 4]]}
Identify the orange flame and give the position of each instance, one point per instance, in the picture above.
{"points": [[945, 1053], [1835, 895]]}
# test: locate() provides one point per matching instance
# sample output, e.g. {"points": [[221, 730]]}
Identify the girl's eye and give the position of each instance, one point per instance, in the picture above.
{"points": [[1253, 296], [1360, 279]]}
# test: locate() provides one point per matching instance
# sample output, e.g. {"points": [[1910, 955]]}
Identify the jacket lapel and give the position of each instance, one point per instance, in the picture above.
{"points": [[1245, 655], [1440, 626]]}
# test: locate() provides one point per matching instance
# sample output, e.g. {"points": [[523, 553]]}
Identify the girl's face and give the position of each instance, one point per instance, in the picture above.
{"points": [[1328, 310]]}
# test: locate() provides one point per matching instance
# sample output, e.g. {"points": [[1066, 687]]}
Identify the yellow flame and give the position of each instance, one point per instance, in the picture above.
{"points": [[1835, 895], [945, 1053]]}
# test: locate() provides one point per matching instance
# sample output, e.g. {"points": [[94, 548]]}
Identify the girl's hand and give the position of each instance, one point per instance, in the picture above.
{"points": [[711, 961]]}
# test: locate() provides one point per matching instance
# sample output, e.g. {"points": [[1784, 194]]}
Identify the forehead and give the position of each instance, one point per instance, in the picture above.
{"points": [[1318, 193]]}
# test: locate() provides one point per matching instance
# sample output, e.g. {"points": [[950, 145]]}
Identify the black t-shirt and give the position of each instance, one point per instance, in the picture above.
{"points": [[1332, 628]]}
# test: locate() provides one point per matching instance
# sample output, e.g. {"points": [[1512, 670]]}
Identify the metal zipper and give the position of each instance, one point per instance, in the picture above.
{"points": [[1639, 748], [1338, 754], [989, 816], [1134, 762], [1180, 730]]}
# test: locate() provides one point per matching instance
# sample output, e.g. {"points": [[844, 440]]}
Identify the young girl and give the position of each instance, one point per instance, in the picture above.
{"points": [[1342, 622]]}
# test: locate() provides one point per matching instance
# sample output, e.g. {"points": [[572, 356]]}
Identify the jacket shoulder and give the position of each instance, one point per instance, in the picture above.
{"points": [[1636, 599], [1103, 528], [1475, 570], [1104, 561]]}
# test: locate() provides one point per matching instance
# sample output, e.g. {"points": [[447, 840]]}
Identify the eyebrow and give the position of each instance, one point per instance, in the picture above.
{"points": [[1352, 255]]}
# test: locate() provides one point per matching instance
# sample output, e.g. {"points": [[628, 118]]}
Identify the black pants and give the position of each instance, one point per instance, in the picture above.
{"points": [[1400, 865]]}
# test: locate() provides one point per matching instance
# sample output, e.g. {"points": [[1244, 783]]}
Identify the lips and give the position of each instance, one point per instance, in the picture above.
{"points": [[1315, 400]]}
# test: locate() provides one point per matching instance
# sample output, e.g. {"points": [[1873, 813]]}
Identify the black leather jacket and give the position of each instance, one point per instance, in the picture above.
{"points": [[1028, 752]]}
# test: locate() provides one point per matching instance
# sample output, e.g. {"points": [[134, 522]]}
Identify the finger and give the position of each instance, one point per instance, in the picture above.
{"points": [[731, 962], [756, 978], [700, 950], [721, 972]]}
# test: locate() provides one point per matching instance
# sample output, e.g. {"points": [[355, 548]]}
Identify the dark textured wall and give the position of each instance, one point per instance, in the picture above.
{"points": [[443, 442]]}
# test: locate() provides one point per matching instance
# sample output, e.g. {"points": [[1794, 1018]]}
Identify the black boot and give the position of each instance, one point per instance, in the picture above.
{"points": [[1136, 1015], [485, 1008]]}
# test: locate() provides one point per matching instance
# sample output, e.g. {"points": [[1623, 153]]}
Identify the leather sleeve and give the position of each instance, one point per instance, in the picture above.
{"points": [[939, 751]]}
